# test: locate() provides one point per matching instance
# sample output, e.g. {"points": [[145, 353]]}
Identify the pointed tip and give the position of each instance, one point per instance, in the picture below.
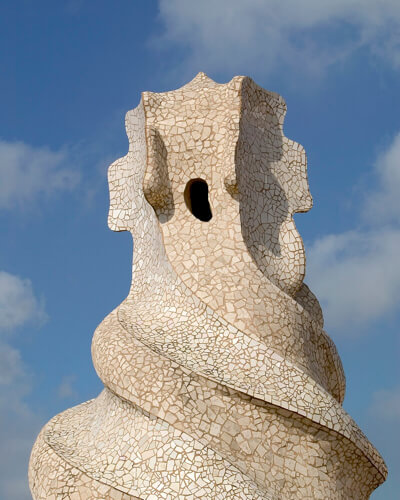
{"points": [[200, 78]]}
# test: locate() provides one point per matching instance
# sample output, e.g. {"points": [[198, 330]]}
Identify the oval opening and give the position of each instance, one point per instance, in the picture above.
{"points": [[196, 199]]}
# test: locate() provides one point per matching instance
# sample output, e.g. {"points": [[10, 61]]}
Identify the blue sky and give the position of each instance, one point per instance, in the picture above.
{"points": [[70, 71]]}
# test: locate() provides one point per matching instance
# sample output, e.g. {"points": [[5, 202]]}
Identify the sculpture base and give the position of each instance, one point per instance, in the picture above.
{"points": [[110, 448], [52, 478]]}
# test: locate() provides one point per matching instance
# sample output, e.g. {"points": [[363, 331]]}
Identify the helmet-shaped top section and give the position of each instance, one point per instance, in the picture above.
{"points": [[223, 181]]}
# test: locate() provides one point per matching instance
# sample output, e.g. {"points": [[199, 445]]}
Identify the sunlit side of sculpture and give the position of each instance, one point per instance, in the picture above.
{"points": [[220, 382]]}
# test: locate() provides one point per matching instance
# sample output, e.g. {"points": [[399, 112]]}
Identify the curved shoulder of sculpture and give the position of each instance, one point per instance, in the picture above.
{"points": [[333, 364], [133, 360]]}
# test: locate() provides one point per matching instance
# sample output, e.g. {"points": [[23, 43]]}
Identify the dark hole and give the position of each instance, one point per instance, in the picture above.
{"points": [[196, 198]]}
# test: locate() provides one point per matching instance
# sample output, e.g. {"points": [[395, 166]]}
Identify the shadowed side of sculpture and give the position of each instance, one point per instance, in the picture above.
{"points": [[157, 184], [275, 167]]}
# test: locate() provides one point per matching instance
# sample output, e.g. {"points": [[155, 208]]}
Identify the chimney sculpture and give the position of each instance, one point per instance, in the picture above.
{"points": [[219, 380]]}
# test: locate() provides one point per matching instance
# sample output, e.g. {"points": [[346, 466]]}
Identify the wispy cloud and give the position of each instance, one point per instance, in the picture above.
{"points": [[386, 405], [382, 206], [19, 426], [18, 303], [382, 422], [311, 35], [11, 367], [28, 173], [356, 273], [66, 388], [19, 306]]}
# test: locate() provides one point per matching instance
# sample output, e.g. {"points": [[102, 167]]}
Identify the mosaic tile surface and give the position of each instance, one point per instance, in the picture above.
{"points": [[220, 382]]}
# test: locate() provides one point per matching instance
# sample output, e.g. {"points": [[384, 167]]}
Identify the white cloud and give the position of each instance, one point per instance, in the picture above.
{"points": [[231, 34], [18, 303], [356, 274], [27, 173]]}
